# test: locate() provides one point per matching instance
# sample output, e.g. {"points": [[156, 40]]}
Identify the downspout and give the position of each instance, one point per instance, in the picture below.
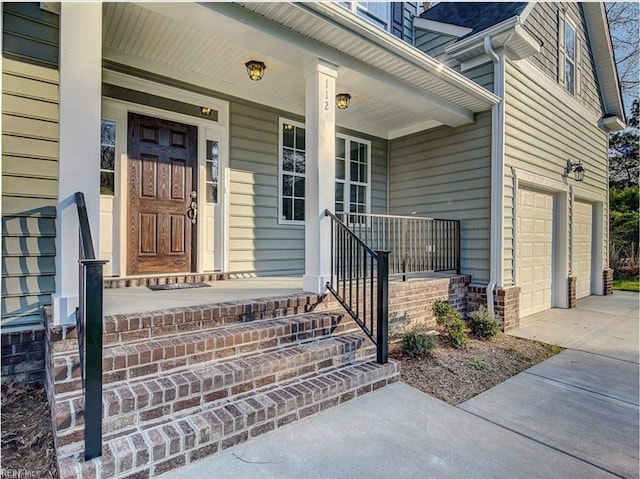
{"points": [[497, 174]]}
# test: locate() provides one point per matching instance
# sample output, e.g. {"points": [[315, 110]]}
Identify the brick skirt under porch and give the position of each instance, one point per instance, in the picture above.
{"points": [[506, 304]]}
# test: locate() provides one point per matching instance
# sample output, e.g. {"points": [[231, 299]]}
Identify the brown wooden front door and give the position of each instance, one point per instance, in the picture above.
{"points": [[161, 175]]}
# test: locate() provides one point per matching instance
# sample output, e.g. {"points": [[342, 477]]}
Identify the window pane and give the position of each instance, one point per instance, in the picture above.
{"points": [[298, 189], [354, 151], [287, 135], [106, 183], [298, 210], [300, 139], [107, 157], [363, 151], [353, 174], [569, 76], [287, 185], [339, 207], [340, 147], [340, 169], [299, 162], [287, 159], [363, 173], [340, 192], [108, 133], [570, 41], [287, 209]]}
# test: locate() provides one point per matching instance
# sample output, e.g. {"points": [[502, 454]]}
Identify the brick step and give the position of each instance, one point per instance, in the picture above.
{"points": [[122, 328], [151, 451], [152, 400], [147, 357]]}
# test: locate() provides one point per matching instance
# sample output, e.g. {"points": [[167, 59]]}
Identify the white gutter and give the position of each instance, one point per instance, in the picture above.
{"points": [[496, 262]]}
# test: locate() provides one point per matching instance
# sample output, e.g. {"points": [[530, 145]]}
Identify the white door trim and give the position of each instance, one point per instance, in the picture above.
{"points": [[207, 129]]}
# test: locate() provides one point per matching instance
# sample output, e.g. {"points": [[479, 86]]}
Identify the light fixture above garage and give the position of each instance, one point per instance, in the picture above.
{"points": [[342, 101], [255, 69], [576, 168]]}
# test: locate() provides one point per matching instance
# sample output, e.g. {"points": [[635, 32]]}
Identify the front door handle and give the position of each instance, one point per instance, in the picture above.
{"points": [[192, 212]]}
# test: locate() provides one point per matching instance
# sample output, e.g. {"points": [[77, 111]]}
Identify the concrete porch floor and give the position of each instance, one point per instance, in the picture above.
{"points": [[140, 299]]}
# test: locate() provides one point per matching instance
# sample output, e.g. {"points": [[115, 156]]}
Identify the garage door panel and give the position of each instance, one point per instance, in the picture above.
{"points": [[535, 247], [581, 250]]}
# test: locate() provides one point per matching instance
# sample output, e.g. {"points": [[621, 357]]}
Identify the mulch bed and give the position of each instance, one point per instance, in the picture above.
{"points": [[457, 374], [26, 434]]}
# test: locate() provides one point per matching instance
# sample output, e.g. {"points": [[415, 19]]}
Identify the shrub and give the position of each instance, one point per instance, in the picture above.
{"points": [[483, 324], [451, 321], [441, 309], [455, 327], [417, 342]]}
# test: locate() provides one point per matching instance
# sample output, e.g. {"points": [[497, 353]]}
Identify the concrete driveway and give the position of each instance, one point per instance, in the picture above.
{"points": [[584, 401], [574, 416]]}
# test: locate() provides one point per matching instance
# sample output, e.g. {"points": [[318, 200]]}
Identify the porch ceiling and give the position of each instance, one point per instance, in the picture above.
{"points": [[208, 44]]}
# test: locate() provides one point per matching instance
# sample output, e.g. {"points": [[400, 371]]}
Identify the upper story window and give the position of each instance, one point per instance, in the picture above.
{"points": [[569, 49], [378, 13], [570, 57]]}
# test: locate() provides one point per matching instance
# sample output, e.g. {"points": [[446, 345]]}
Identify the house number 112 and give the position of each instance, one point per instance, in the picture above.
{"points": [[326, 95]]}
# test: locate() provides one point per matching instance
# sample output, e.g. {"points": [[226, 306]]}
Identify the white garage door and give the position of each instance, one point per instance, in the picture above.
{"points": [[581, 251], [534, 250]]}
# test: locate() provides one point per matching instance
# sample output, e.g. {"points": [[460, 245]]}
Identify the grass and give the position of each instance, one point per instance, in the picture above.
{"points": [[626, 284]]}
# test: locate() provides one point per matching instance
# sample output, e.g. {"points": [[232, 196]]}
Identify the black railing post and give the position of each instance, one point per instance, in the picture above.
{"points": [[93, 353], [382, 320], [458, 247]]}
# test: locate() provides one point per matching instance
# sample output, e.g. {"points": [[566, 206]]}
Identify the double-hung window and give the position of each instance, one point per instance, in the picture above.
{"points": [[352, 173], [569, 68], [378, 13], [292, 172]]}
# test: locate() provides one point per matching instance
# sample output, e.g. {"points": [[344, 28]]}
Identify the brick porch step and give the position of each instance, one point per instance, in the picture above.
{"points": [[147, 452], [149, 400], [150, 356]]}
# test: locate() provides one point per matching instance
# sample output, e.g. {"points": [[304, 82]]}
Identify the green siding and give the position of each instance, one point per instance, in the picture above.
{"points": [[446, 173], [29, 161], [433, 44], [482, 75], [541, 133], [542, 23]]}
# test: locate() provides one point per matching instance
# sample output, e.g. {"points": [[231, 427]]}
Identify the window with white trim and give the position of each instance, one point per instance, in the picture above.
{"points": [[569, 57], [569, 53], [353, 157], [378, 13], [292, 172]]}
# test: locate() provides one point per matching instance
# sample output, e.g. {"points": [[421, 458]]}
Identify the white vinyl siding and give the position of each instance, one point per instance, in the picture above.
{"points": [[545, 128], [446, 173]]}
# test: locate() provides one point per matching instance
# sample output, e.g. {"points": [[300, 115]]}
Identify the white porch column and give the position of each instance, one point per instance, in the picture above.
{"points": [[320, 144], [79, 162]]}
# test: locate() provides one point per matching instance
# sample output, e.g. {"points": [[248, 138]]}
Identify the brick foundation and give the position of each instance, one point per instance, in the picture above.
{"points": [[506, 304], [411, 301], [572, 291], [23, 356], [607, 280]]}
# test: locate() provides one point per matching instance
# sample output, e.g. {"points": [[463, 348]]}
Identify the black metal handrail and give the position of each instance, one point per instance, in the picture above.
{"points": [[416, 244], [360, 283], [89, 330]]}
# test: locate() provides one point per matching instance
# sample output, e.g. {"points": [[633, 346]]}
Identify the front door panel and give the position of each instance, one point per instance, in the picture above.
{"points": [[161, 169]]}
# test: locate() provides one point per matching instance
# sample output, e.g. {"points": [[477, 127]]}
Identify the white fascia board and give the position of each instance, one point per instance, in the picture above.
{"points": [[338, 15], [607, 73], [440, 27]]}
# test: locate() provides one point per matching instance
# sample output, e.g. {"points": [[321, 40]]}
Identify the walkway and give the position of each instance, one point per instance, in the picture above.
{"points": [[574, 416]]}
